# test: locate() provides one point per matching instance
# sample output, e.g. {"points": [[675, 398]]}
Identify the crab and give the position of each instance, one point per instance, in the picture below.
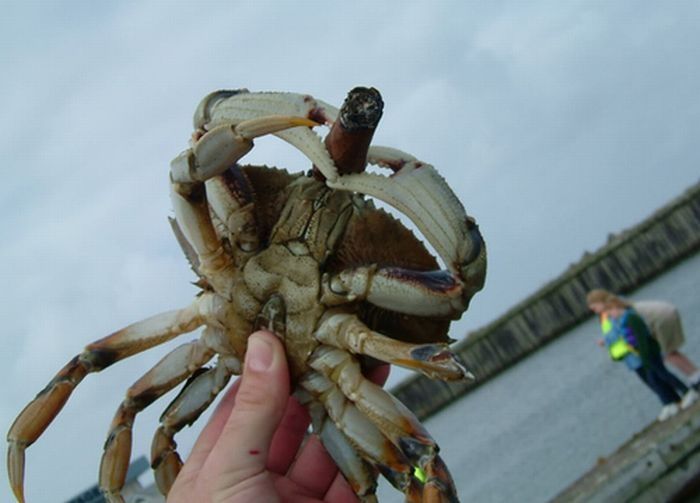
{"points": [[309, 257]]}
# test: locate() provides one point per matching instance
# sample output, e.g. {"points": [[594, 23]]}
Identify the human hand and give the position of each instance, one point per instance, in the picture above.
{"points": [[250, 449]]}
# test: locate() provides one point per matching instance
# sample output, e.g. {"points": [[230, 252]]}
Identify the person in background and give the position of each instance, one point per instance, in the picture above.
{"points": [[665, 325], [628, 339]]}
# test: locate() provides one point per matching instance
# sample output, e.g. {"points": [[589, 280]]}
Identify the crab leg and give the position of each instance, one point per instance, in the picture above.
{"points": [[346, 331], [349, 137], [234, 107], [198, 239], [221, 147], [361, 476], [212, 154], [140, 336], [174, 368], [230, 196], [199, 392], [418, 191], [392, 418], [360, 430], [422, 293]]}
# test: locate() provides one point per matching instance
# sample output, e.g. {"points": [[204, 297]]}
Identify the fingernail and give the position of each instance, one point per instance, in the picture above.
{"points": [[259, 354]]}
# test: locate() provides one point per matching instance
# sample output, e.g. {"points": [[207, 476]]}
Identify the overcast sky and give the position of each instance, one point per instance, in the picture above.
{"points": [[555, 122]]}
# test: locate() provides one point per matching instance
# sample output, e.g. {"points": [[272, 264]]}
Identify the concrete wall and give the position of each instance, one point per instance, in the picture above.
{"points": [[628, 260]]}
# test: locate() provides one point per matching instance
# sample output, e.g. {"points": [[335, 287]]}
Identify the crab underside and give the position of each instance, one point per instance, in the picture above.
{"points": [[309, 257]]}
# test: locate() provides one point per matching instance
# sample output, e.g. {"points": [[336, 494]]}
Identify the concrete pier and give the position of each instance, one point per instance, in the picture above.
{"points": [[659, 464]]}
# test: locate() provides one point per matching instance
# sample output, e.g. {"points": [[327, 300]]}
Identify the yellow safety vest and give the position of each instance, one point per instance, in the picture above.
{"points": [[618, 349]]}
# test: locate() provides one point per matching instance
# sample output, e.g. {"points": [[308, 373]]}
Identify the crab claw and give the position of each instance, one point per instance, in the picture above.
{"points": [[233, 107], [220, 148], [418, 191], [15, 469]]}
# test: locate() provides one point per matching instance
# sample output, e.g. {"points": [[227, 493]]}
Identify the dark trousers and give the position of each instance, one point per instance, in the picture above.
{"points": [[667, 386]]}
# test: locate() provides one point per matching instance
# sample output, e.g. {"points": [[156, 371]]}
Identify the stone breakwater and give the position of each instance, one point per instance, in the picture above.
{"points": [[625, 262]]}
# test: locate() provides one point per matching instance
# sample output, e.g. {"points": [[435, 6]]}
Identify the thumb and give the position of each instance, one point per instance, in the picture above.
{"points": [[242, 449]]}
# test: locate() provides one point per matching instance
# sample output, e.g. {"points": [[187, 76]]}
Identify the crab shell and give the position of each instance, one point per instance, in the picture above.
{"points": [[311, 259]]}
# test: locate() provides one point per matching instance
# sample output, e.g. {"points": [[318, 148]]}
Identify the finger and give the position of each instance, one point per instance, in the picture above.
{"points": [[288, 437], [379, 375], [340, 491], [211, 432], [291, 492], [241, 451], [313, 469]]}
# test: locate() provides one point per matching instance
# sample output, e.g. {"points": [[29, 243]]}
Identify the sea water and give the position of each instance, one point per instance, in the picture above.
{"points": [[534, 429]]}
